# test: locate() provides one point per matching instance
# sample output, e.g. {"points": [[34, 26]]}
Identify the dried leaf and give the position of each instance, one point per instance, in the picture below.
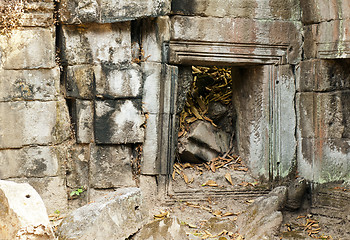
{"points": [[173, 175], [228, 178], [212, 167], [243, 184], [210, 183], [185, 178], [162, 215], [229, 214], [186, 165], [217, 213], [196, 113]]}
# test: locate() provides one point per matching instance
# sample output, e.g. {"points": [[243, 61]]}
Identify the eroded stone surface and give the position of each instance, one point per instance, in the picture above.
{"points": [[123, 209], [29, 49], [119, 121], [110, 166], [40, 84], [76, 12], [263, 219], [25, 123], [167, 229], [23, 214]]}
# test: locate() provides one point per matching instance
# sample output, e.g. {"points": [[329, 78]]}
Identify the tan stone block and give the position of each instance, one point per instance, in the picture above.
{"points": [[27, 123], [29, 48], [40, 84]]}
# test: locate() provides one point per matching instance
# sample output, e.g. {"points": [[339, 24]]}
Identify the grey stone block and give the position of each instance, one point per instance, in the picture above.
{"points": [[321, 11], [117, 215], [118, 80], [79, 81], [84, 121], [324, 160], [119, 121], [286, 121], [29, 162], [109, 11], [40, 84], [159, 87], [155, 33], [152, 88], [110, 166], [151, 147], [286, 9], [324, 75], [29, 49], [96, 43], [26, 123], [77, 171], [305, 114]]}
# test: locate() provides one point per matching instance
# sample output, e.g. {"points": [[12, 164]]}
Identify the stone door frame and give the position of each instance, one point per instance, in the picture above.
{"points": [[185, 53]]}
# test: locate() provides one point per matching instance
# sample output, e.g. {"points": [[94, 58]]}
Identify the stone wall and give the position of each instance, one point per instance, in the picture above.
{"points": [[323, 92], [89, 92]]}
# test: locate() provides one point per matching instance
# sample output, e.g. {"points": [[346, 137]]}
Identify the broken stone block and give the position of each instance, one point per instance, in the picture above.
{"points": [[296, 193], [116, 215], [33, 122], [79, 81], [23, 213], [77, 171], [110, 166], [203, 143], [119, 121], [29, 49], [42, 84], [118, 80], [166, 229], [84, 121], [110, 11], [263, 219]]}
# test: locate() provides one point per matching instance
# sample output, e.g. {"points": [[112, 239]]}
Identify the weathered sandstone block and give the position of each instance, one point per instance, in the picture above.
{"points": [[114, 216], [79, 81], [118, 80], [110, 166], [109, 11], [84, 121], [25, 123], [42, 84], [52, 190], [119, 121], [29, 162], [29, 48], [96, 43], [23, 213], [258, 9]]}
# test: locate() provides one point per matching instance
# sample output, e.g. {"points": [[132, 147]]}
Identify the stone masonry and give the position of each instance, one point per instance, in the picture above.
{"points": [[90, 90]]}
